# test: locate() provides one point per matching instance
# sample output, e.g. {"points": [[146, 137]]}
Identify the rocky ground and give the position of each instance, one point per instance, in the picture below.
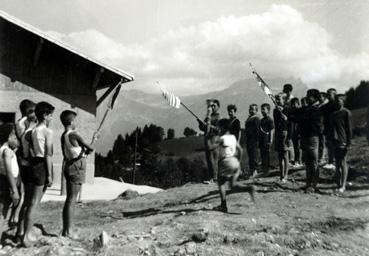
{"points": [[181, 221]]}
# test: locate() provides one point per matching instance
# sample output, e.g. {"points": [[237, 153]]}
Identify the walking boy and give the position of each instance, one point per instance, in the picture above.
{"points": [[281, 127], [230, 153], [211, 131], [41, 172], [73, 148], [252, 129], [341, 134], [265, 137]]}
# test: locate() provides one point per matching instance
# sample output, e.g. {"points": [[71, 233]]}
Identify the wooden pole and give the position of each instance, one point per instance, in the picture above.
{"points": [[135, 159]]}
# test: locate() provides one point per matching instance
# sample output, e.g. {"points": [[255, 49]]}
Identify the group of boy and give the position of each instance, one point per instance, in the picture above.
{"points": [[26, 167], [301, 131]]}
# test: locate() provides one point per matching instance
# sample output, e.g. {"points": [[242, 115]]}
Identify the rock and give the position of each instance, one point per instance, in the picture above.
{"points": [[102, 240], [200, 236], [129, 194], [191, 248]]}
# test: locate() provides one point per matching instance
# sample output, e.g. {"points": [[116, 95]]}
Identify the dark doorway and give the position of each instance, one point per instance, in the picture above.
{"points": [[7, 117]]}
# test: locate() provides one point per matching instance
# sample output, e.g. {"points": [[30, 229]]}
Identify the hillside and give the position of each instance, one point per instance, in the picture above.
{"points": [[181, 221], [136, 108]]}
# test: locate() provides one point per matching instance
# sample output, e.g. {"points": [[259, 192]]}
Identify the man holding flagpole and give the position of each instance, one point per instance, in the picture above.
{"points": [[211, 133]]}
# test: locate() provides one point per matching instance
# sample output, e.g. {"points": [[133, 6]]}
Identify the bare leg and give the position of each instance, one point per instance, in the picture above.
{"points": [[36, 195], [24, 206], [68, 210], [344, 175]]}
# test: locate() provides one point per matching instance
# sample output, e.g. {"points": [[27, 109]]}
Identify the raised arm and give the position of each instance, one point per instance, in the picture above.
{"points": [[81, 142]]}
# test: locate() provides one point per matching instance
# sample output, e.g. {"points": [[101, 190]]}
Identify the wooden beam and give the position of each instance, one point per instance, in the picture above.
{"points": [[38, 51], [96, 81], [106, 94]]}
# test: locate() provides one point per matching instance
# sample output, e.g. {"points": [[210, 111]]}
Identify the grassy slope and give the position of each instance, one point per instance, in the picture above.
{"points": [[285, 221]]}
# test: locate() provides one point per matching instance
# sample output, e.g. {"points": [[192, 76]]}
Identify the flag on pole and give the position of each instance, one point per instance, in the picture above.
{"points": [[263, 85], [172, 99]]}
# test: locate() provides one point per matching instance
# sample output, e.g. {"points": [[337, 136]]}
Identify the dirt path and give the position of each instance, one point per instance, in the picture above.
{"points": [[180, 221]]}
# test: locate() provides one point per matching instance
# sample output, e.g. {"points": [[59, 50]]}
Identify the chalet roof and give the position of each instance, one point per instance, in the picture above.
{"points": [[126, 77]]}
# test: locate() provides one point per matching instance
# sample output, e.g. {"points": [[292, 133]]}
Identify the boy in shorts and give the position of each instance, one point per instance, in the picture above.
{"points": [[74, 148], [229, 165], [265, 137], [41, 167], [252, 130], [341, 134], [9, 172], [281, 132]]}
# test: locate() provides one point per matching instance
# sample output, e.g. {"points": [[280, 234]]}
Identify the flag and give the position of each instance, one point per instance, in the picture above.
{"points": [[263, 85], [173, 100]]}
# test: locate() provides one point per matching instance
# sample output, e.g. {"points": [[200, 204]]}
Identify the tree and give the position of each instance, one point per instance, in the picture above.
{"points": [[188, 132], [170, 134], [358, 97]]}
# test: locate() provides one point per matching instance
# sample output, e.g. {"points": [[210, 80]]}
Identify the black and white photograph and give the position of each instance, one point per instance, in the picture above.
{"points": [[184, 127]]}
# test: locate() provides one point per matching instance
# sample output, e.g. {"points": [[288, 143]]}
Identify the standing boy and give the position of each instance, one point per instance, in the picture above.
{"points": [[341, 134], [41, 172], [211, 131], [327, 110], [281, 127], [311, 126], [9, 171], [295, 135], [234, 123], [73, 148], [24, 159], [265, 137], [229, 168], [252, 129]]}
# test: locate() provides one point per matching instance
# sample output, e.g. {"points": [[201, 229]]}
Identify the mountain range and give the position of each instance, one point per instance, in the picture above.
{"points": [[136, 108]]}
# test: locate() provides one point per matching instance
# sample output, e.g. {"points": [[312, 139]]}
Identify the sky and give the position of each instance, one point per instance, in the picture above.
{"points": [[197, 46]]}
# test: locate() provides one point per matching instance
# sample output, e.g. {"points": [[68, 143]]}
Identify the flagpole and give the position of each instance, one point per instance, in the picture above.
{"points": [[189, 110]]}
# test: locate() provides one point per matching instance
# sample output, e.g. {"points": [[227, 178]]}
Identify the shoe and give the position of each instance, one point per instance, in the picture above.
{"points": [[309, 190], [254, 174], [209, 182]]}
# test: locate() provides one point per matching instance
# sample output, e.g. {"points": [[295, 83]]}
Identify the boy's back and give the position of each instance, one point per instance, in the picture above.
{"points": [[228, 146]]}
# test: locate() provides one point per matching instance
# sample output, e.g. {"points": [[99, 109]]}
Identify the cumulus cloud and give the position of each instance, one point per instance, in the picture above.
{"points": [[211, 55]]}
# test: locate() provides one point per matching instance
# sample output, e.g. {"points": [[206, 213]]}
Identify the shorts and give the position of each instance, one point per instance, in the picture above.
{"points": [[227, 167], [281, 141], [25, 173], [340, 152], [4, 185], [75, 171], [38, 172]]}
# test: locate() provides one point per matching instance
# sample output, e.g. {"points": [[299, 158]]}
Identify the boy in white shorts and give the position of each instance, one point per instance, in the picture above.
{"points": [[229, 167]]}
